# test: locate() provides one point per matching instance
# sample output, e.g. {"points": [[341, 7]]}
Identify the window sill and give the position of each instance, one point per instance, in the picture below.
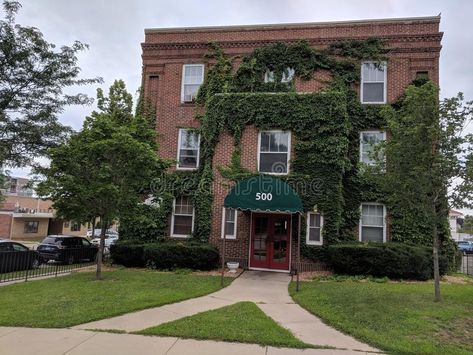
{"points": [[180, 236], [270, 173], [188, 104], [373, 103], [314, 243], [228, 238], [186, 169]]}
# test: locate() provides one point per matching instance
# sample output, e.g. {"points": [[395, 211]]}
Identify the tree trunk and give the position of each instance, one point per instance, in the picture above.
{"points": [[435, 255], [93, 228], [101, 247]]}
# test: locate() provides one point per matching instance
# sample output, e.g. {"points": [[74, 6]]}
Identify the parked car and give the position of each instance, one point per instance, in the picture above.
{"points": [[67, 249], [109, 240], [465, 246], [97, 232], [15, 257]]}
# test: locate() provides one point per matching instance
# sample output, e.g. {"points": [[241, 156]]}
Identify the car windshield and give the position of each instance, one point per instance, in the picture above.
{"points": [[53, 240]]}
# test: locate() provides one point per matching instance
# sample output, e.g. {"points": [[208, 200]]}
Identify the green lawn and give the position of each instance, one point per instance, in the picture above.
{"points": [[399, 318], [242, 322], [78, 298]]}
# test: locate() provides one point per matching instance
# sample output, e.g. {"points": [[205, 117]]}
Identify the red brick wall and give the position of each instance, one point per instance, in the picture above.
{"points": [[5, 225], [414, 46]]}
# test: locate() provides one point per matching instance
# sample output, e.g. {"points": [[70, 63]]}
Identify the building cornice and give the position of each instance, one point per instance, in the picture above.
{"points": [[428, 37], [303, 25]]}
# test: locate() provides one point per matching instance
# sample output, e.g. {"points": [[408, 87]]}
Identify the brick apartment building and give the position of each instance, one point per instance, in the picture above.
{"points": [[174, 67]]}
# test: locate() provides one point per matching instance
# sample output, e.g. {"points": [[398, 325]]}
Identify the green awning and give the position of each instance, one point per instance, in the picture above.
{"points": [[263, 193]]}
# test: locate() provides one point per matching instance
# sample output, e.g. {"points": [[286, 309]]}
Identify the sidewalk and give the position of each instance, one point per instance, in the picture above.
{"points": [[37, 341], [267, 289]]}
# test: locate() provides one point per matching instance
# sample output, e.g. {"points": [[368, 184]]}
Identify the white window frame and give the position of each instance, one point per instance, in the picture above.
{"points": [[363, 81], [360, 227], [288, 150], [183, 77], [361, 144], [179, 150], [227, 236], [311, 242], [174, 235]]}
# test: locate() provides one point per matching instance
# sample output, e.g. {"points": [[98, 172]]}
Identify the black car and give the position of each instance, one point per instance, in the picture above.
{"points": [[15, 257], [67, 249]]}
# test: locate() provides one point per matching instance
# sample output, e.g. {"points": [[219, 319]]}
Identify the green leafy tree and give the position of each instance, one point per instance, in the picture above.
{"points": [[429, 162], [104, 169], [467, 226], [33, 77]]}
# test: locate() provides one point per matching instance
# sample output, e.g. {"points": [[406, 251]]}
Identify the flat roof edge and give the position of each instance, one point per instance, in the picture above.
{"points": [[292, 25]]}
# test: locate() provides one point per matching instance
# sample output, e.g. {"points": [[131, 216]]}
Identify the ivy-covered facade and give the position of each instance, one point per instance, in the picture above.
{"points": [[299, 103]]}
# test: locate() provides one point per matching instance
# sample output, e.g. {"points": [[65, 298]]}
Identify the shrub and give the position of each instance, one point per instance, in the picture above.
{"points": [[128, 253], [167, 256], [393, 260], [181, 255]]}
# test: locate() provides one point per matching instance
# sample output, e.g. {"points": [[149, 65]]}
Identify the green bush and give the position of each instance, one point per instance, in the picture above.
{"points": [[169, 255], [393, 260], [128, 253], [181, 256]]}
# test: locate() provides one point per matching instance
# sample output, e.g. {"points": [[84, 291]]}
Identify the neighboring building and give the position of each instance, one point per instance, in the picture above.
{"points": [[455, 220], [23, 216], [173, 70]]}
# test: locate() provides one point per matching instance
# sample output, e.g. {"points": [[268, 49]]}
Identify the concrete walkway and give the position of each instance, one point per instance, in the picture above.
{"points": [[36, 341], [268, 290]]}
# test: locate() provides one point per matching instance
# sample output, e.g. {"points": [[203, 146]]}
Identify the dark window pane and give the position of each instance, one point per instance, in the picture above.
{"points": [[183, 225], [265, 141], [373, 92], [372, 234], [229, 228], [273, 163], [314, 234]]}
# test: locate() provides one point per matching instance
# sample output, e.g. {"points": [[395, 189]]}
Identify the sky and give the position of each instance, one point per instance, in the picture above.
{"points": [[114, 30]]}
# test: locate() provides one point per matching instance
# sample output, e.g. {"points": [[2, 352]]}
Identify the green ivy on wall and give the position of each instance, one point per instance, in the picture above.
{"points": [[325, 169]]}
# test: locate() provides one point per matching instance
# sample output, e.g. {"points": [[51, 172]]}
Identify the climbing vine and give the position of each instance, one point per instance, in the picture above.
{"points": [[325, 125]]}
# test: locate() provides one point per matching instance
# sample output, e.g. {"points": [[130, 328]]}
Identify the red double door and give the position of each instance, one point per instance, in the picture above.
{"points": [[270, 241]]}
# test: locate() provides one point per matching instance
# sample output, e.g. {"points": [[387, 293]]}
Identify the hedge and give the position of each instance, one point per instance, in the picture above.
{"points": [[393, 260], [128, 253], [165, 255]]}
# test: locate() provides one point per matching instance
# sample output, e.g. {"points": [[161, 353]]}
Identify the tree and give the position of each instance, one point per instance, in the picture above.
{"points": [[467, 226], [104, 169], [429, 161], [33, 77]]}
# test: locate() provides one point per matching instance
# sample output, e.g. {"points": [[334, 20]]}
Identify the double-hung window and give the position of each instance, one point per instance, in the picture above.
{"points": [[188, 149], [274, 148], [372, 223], [368, 142], [182, 217], [373, 83], [192, 78], [314, 228], [229, 223]]}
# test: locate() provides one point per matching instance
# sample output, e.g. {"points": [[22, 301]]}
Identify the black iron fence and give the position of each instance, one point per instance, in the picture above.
{"points": [[24, 265], [466, 266]]}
